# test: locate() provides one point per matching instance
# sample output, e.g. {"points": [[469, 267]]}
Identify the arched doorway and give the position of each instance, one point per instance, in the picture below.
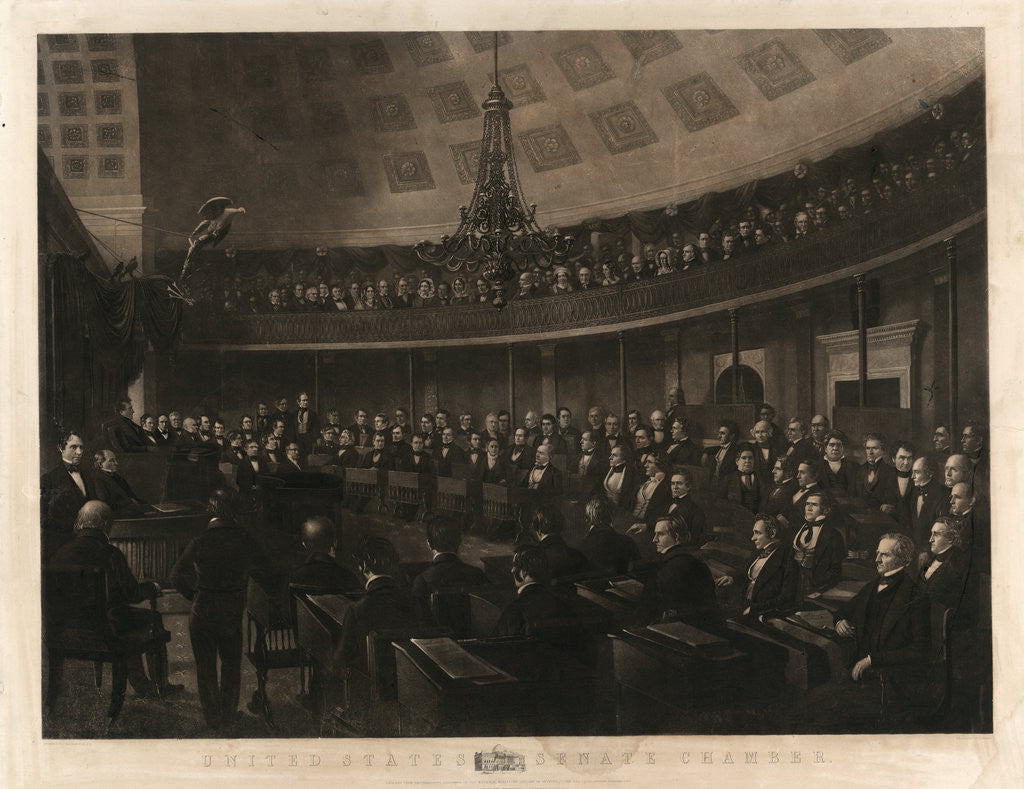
{"points": [[751, 386]]}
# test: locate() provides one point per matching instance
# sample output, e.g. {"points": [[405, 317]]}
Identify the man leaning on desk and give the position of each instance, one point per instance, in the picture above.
{"points": [[682, 588]]}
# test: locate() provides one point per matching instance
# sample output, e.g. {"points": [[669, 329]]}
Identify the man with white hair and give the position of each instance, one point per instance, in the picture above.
{"points": [[532, 424], [889, 617], [91, 547], [658, 434]]}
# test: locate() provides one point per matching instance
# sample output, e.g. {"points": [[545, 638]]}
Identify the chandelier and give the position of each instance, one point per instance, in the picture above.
{"points": [[497, 234]]}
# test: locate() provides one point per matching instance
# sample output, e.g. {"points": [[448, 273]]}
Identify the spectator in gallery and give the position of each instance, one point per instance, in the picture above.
{"points": [[367, 298], [403, 298], [609, 276], [561, 286], [483, 291], [637, 271], [663, 263], [275, 301], [586, 279], [384, 300], [526, 287], [425, 295], [728, 246], [444, 294], [460, 294], [312, 300]]}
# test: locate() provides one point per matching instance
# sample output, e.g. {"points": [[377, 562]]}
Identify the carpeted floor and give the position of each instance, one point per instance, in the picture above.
{"points": [[80, 711]]}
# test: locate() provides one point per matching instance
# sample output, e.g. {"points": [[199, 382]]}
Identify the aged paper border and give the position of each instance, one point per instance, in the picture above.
{"points": [[26, 760]]}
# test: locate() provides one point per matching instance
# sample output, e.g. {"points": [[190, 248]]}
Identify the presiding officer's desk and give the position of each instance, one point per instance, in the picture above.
{"points": [[538, 690], [152, 542]]}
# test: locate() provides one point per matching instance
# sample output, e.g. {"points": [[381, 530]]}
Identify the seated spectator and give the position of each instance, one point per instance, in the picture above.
{"points": [[385, 606], [605, 548], [444, 294], [543, 477], [771, 578], [818, 547], [320, 569], [384, 300], [535, 603], [460, 294], [113, 489], [546, 527], [292, 460], [367, 298], [426, 294], [681, 451], [483, 291], [943, 569], [90, 547], [688, 256], [562, 286], [889, 618], [447, 570], [705, 250], [664, 263], [839, 472], [609, 275], [585, 278], [682, 588]]}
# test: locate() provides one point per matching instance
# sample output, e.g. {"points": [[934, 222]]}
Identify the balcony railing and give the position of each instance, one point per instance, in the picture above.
{"points": [[844, 245]]}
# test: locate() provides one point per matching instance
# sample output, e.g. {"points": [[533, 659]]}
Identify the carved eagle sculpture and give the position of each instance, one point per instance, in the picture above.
{"points": [[217, 213]]}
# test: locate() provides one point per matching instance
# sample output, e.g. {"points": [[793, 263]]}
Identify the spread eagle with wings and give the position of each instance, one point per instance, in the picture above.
{"points": [[217, 213]]}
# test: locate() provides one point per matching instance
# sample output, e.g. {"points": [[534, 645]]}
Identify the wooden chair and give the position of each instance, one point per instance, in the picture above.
{"points": [[77, 627]]}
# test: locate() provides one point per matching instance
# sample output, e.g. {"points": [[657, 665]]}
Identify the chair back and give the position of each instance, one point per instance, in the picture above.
{"points": [[450, 608], [76, 598]]}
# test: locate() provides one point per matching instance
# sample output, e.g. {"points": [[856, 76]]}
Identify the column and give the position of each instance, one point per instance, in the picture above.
{"points": [[511, 382], [622, 376], [953, 382], [548, 379], [429, 374], [862, 344], [805, 401], [670, 354], [734, 336], [413, 418]]}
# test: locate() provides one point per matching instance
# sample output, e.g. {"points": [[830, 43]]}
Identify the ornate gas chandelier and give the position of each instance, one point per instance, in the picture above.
{"points": [[497, 233]]}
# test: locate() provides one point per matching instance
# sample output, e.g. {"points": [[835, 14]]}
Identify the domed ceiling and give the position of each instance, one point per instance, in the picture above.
{"points": [[369, 138]]}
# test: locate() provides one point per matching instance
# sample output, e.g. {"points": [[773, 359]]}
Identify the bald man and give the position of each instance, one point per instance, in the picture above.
{"points": [[90, 547], [320, 569]]}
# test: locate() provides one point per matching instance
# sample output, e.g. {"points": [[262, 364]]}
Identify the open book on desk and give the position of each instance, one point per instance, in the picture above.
{"points": [[819, 620], [629, 588], [171, 507], [457, 663]]}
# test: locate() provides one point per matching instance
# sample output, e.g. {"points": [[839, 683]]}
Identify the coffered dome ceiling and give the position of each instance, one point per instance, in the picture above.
{"points": [[370, 138]]}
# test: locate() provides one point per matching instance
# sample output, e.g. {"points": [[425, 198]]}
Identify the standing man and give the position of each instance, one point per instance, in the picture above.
{"points": [[306, 424], [903, 460], [213, 573], [125, 435], [64, 490]]}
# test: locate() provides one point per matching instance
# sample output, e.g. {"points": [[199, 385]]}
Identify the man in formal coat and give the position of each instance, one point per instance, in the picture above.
{"points": [[839, 473], [569, 433], [546, 526], [770, 581], [448, 453], [213, 573], [784, 489], [543, 477], [973, 511], [292, 459], [177, 427], [248, 470], [446, 571], [262, 423], [113, 489], [548, 431], [744, 486], [621, 481], [819, 433], [682, 587], [519, 453], [889, 621], [320, 568], [876, 479], [362, 434], [124, 434], [305, 424], [614, 436], [591, 466], [944, 568], [385, 606], [928, 498], [799, 446], [766, 413], [64, 489], [164, 435], [808, 480], [595, 417], [903, 462], [764, 451], [818, 547], [535, 602], [680, 450], [721, 460], [605, 548]]}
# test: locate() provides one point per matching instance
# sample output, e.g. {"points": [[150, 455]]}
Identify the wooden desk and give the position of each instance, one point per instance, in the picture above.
{"points": [[153, 542], [546, 693], [661, 683], [618, 604]]}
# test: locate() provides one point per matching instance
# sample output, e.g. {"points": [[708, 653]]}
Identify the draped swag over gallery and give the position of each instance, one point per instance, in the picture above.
{"points": [[963, 110]]}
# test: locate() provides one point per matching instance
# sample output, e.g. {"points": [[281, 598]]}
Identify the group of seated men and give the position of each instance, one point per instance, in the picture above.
{"points": [[637, 480], [817, 205]]}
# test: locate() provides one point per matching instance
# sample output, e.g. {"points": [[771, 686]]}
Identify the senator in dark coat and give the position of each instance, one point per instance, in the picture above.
{"points": [[605, 548], [682, 587], [63, 491]]}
